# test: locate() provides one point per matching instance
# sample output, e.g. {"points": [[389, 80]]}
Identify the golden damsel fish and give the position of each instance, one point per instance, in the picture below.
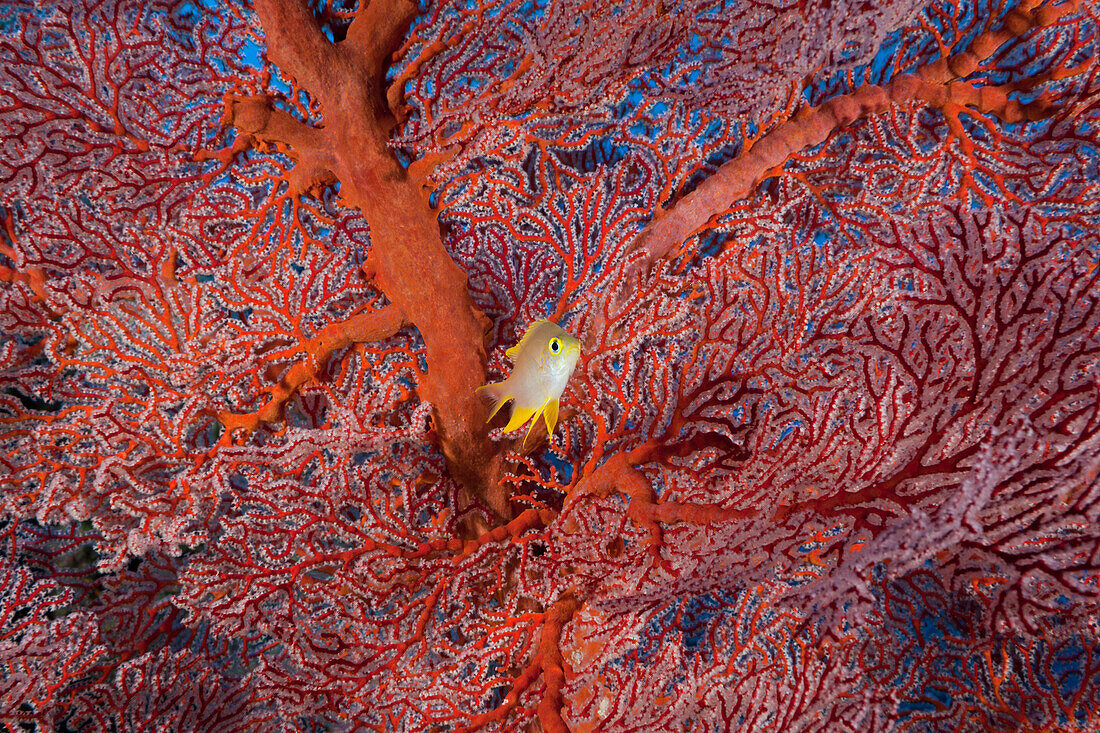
{"points": [[544, 359]]}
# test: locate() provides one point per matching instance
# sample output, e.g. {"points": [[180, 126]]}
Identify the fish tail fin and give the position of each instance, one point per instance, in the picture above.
{"points": [[494, 391]]}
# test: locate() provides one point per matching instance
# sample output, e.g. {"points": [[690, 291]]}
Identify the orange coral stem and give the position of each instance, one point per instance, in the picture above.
{"points": [[361, 328], [812, 126]]}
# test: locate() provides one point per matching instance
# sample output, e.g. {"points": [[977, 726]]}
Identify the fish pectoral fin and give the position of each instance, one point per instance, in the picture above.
{"points": [[496, 408], [550, 414], [520, 415], [498, 395]]}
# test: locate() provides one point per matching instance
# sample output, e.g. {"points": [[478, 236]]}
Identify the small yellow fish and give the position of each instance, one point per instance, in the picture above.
{"points": [[544, 359]]}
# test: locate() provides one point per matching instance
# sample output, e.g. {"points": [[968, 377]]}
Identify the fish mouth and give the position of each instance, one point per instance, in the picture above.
{"points": [[574, 349]]}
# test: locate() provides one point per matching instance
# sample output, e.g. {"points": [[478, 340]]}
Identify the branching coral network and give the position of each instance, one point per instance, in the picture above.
{"points": [[829, 460]]}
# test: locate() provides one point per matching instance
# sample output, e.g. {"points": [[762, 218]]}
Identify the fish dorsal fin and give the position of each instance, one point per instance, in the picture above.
{"points": [[514, 351]]}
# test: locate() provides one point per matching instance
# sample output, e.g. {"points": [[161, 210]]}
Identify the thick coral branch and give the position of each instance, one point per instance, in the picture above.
{"points": [[548, 663], [256, 116], [407, 258], [811, 126], [553, 671], [619, 474], [34, 277], [378, 29], [297, 45], [307, 146], [511, 531]]}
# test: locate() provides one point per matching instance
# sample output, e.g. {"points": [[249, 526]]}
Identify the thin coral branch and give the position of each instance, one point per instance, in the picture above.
{"points": [[361, 328]]}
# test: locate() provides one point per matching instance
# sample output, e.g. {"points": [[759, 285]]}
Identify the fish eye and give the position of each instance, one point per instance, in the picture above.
{"points": [[555, 345]]}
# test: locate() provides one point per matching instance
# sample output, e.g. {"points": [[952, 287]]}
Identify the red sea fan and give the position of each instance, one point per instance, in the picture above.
{"points": [[830, 458]]}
